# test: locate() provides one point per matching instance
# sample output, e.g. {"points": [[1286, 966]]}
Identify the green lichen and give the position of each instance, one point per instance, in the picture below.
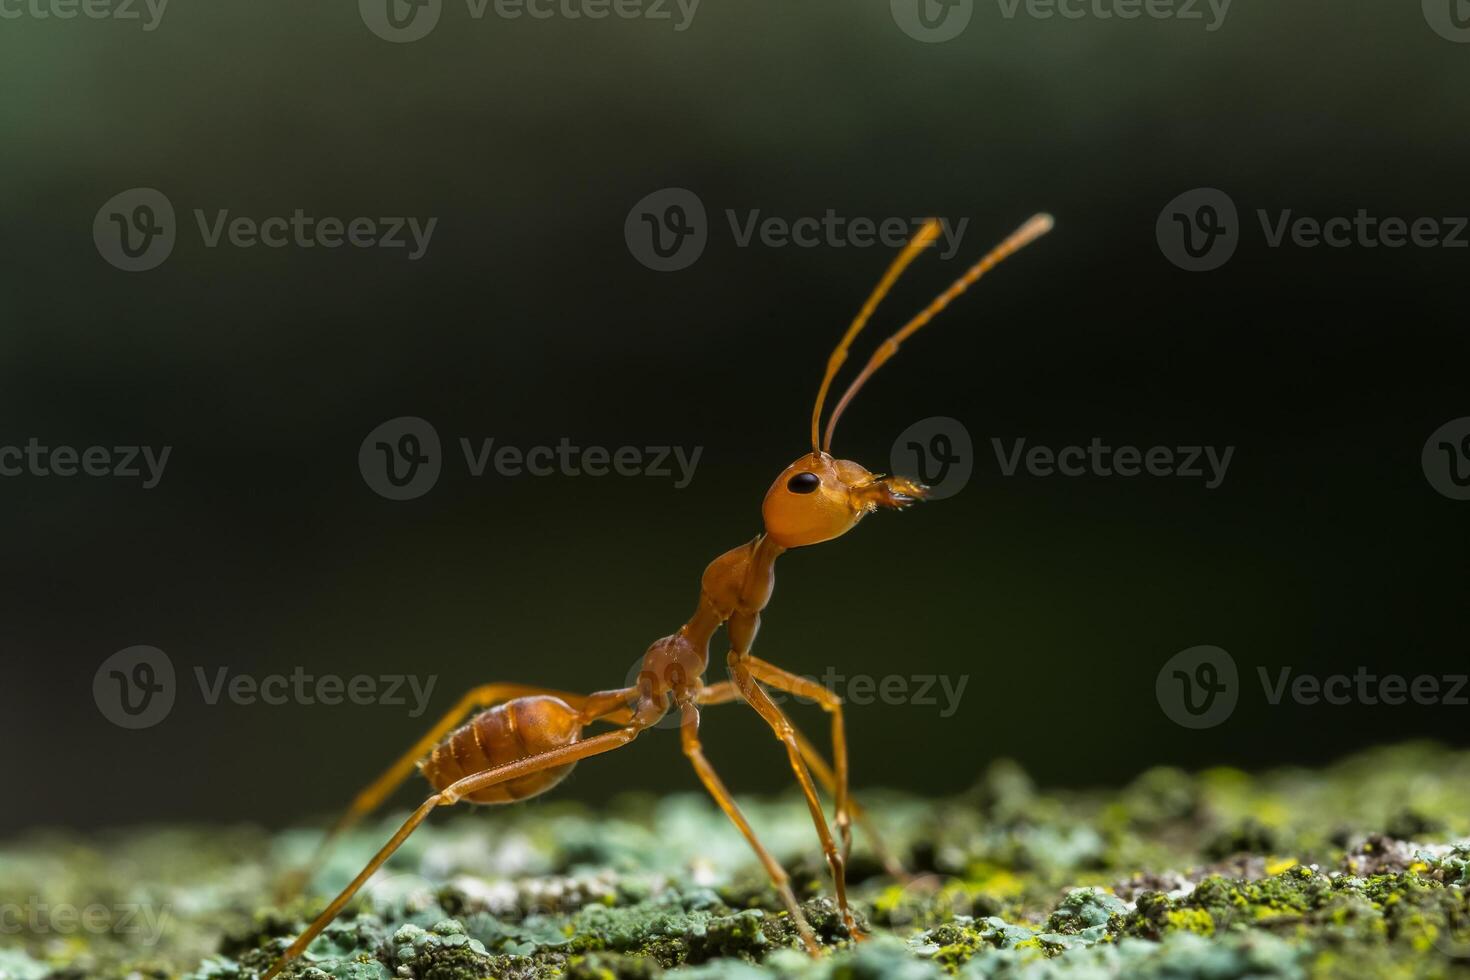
{"points": [[1356, 870]]}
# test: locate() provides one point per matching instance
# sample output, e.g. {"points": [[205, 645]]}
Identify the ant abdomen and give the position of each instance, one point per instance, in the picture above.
{"points": [[503, 734]]}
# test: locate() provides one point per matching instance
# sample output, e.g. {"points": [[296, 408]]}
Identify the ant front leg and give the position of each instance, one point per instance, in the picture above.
{"points": [[689, 732], [750, 689], [469, 785], [725, 692], [607, 705], [783, 680]]}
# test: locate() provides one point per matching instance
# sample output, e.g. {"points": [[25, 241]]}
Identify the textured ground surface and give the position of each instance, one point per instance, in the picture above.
{"points": [[1349, 871]]}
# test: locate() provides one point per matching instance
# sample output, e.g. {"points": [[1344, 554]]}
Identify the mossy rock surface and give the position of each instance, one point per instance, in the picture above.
{"points": [[1355, 870]]}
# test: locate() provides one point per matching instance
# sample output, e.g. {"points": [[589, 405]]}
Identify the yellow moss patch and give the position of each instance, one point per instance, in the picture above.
{"points": [[1277, 865], [992, 881], [890, 898], [1197, 921]]}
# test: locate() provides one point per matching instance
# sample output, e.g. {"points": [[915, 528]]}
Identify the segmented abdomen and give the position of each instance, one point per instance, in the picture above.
{"points": [[503, 734]]}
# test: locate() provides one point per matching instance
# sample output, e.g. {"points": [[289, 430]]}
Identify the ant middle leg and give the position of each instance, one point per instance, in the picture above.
{"points": [[451, 794], [605, 706]]}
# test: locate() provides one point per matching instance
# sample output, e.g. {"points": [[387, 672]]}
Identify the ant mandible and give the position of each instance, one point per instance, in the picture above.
{"points": [[526, 739]]}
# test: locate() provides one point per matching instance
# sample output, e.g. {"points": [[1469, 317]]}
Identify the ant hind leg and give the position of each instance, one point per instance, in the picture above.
{"points": [[448, 796]]}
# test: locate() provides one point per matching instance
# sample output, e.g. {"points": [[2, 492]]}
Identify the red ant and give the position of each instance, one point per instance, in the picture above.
{"points": [[526, 739]]}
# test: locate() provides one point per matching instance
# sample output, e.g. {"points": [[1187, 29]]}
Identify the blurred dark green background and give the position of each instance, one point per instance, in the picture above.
{"points": [[528, 320]]}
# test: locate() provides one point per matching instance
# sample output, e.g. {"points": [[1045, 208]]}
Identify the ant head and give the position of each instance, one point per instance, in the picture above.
{"points": [[818, 498]]}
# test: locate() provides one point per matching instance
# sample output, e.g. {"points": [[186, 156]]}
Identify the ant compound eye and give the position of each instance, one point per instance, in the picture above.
{"points": [[803, 483]]}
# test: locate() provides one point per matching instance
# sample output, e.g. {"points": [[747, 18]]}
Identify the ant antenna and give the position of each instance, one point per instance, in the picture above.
{"points": [[921, 240], [1033, 229]]}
